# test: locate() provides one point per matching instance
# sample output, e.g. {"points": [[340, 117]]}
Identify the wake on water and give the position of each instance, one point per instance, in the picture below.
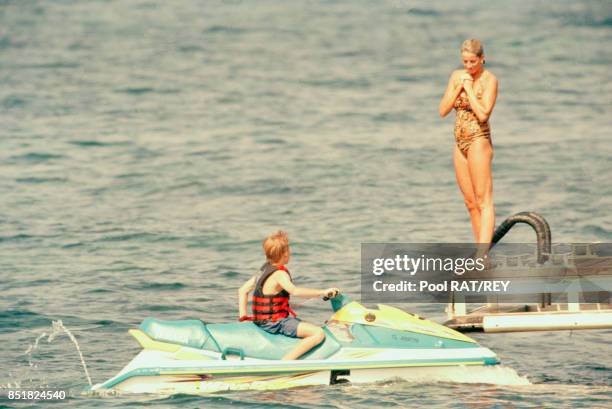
{"points": [[493, 375]]}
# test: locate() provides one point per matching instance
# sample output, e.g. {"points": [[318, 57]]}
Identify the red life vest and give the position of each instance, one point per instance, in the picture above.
{"points": [[270, 307]]}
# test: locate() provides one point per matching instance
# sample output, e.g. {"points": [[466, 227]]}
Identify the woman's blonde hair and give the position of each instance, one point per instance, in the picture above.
{"points": [[276, 246], [473, 46]]}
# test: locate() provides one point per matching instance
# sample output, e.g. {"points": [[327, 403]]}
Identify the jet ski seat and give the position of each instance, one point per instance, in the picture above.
{"points": [[257, 343], [190, 333], [241, 336]]}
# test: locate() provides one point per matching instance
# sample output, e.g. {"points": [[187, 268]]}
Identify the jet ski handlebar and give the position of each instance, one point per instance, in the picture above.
{"points": [[331, 294]]}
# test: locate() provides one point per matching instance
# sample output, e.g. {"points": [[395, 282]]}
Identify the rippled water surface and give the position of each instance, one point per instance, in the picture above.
{"points": [[147, 147]]}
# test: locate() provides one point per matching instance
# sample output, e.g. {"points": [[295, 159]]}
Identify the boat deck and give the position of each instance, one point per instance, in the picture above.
{"points": [[578, 299], [533, 317]]}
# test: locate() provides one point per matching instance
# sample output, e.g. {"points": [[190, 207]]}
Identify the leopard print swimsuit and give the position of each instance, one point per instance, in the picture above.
{"points": [[467, 126]]}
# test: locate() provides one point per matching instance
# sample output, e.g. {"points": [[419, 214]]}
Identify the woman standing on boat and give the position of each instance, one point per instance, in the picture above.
{"points": [[472, 93]]}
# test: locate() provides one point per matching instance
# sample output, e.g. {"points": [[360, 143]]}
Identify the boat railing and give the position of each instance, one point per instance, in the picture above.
{"points": [[568, 262]]}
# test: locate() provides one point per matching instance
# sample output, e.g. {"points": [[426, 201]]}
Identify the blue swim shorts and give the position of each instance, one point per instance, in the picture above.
{"points": [[286, 326]]}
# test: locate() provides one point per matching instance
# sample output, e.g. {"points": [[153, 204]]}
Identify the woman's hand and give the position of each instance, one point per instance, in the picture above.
{"points": [[453, 89], [466, 79], [482, 105]]}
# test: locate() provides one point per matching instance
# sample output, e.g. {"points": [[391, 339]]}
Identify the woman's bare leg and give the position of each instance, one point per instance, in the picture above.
{"points": [[462, 173], [479, 160], [312, 336]]}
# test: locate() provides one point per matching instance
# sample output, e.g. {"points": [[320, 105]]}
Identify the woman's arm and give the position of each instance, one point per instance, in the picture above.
{"points": [[450, 95], [243, 292], [482, 107]]}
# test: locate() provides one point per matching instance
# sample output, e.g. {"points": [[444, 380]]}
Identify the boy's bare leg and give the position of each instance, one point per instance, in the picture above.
{"points": [[312, 336]]}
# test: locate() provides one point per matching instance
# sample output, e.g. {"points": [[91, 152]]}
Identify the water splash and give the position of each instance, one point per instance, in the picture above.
{"points": [[33, 347], [57, 328], [18, 379]]}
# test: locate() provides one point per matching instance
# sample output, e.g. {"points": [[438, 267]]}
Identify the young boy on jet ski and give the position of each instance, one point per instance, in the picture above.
{"points": [[270, 304]]}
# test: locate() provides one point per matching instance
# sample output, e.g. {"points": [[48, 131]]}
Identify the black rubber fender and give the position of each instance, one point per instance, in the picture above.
{"points": [[539, 225]]}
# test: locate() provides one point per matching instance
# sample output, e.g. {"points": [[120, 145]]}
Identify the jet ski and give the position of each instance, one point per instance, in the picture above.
{"points": [[361, 345]]}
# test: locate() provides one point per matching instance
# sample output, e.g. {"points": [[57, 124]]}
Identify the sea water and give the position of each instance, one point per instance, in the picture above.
{"points": [[147, 148]]}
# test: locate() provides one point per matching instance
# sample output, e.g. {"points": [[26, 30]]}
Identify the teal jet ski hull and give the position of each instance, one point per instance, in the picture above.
{"points": [[191, 356]]}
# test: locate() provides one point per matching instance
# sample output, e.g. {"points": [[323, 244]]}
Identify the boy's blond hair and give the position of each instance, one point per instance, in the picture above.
{"points": [[276, 246]]}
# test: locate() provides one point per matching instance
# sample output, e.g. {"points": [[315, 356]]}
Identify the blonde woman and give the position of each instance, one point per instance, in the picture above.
{"points": [[472, 93]]}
